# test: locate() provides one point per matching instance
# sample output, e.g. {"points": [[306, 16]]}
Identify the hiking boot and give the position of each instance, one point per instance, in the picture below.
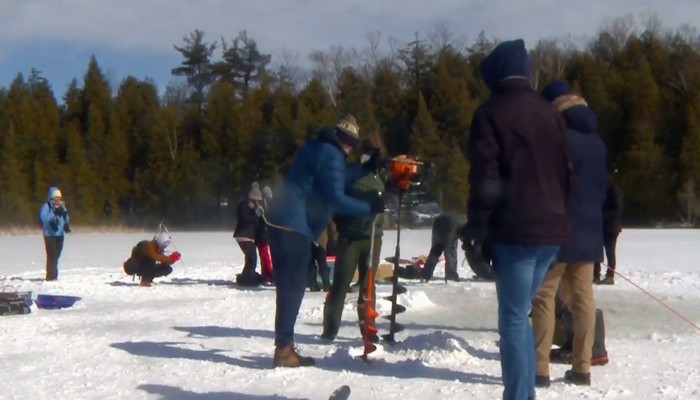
{"points": [[609, 280], [452, 278], [327, 337], [542, 381], [596, 280], [146, 282], [577, 378], [288, 357]]}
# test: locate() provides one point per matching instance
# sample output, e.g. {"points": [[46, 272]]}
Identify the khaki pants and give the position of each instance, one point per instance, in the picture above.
{"points": [[575, 279]]}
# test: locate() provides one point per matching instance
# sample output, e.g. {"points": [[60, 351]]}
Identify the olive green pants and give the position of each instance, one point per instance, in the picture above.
{"points": [[351, 254]]}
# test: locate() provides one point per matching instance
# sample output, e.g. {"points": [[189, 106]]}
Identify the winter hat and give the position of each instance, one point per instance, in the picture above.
{"points": [[348, 131], [555, 89], [267, 192], [255, 193], [54, 192], [163, 240], [509, 59]]}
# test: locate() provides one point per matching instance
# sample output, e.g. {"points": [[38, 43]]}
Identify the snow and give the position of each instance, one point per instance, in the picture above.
{"points": [[196, 336]]}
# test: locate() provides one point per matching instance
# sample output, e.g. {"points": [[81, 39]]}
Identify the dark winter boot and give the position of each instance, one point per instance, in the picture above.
{"points": [[542, 381], [609, 280], [288, 357], [577, 378]]}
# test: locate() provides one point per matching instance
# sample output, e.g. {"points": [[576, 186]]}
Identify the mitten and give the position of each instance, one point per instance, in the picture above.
{"points": [[175, 256]]}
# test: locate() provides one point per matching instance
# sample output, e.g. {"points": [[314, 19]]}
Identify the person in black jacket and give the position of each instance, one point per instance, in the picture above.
{"points": [[612, 226], [518, 200], [248, 216]]}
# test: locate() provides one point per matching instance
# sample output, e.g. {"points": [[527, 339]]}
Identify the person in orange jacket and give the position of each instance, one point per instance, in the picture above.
{"points": [[148, 259]]}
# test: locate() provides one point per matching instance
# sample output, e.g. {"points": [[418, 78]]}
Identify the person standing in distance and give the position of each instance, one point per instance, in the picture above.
{"points": [[54, 219]]}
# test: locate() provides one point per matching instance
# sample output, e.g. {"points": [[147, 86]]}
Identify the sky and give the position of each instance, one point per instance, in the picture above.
{"points": [[196, 336], [136, 37]]}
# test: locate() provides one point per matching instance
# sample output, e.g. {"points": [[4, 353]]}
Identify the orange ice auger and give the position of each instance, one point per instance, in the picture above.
{"points": [[404, 172], [366, 327]]}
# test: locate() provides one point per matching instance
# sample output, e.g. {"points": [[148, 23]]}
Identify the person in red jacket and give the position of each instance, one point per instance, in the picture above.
{"points": [[148, 259]]}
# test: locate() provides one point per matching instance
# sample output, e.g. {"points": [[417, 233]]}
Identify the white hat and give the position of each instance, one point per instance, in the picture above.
{"points": [[55, 193], [163, 240]]}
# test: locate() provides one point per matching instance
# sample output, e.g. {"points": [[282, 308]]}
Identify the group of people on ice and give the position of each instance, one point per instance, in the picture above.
{"points": [[538, 185]]}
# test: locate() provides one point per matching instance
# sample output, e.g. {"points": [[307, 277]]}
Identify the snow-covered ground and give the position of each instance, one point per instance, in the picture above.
{"points": [[196, 336]]}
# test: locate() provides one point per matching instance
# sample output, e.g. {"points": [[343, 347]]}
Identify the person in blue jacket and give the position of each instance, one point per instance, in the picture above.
{"points": [[54, 219], [313, 189]]}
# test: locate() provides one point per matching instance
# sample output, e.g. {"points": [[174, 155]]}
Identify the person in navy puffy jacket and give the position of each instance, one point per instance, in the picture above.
{"points": [[313, 189], [54, 223]]}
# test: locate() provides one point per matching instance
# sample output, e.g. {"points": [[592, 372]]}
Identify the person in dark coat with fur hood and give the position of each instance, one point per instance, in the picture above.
{"points": [[574, 266], [518, 200], [313, 189]]}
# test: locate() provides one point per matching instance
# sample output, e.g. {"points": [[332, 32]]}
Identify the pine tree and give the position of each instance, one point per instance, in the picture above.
{"points": [[14, 191], [243, 64], [196, 66]]}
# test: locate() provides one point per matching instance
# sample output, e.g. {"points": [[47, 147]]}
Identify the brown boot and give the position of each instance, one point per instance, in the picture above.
{"points": [[609, 280], [288, 357], [146, 282]]}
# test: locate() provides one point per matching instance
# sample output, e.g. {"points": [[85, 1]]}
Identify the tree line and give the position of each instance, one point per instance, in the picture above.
{"points": [[188, 155]]}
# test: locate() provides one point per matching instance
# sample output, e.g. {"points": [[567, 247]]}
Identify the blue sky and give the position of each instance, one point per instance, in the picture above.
{"points": [[136, 37]]}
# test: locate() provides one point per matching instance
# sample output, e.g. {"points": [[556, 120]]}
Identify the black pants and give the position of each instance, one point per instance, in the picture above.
{"points": [[609, 242], [318, 267], [450, 261], [54, 247], [251, 257], [149, 269]]}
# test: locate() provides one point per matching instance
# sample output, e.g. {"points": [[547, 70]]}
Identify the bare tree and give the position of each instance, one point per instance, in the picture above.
{"points": [[289, 72], [548, 62], [328, 67], [443, 38]]}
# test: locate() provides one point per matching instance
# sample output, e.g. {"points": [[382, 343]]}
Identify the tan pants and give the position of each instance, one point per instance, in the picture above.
{"points": [[575, 279]]}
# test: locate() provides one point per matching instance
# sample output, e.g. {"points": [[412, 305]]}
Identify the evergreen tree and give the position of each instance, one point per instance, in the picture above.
{"points": [[243, 64], [15, 206], [196, 66]]}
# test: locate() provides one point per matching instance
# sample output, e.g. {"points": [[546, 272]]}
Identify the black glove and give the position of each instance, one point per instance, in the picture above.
{"points": [[375, 162], [376, 206], [59, 211], [66, 228], [53, 224], [473, 235]]}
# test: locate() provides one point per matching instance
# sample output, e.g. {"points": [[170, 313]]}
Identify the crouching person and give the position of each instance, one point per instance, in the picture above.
{"points": [[148, 260]]}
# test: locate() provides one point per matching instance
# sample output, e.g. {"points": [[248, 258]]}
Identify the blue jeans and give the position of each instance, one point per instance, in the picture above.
{"points": [[520, 271], [291, 255]]}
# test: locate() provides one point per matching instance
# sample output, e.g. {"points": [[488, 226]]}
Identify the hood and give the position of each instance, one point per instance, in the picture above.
{"points": [[52, 192], [581, 119], [507, 60]]}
